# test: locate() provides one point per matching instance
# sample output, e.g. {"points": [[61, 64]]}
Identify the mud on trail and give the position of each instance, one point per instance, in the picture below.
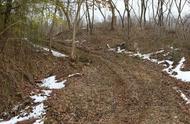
{"points": [[118, 89]]}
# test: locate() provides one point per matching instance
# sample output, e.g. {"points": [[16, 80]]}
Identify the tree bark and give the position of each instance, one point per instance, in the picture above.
{"points": [[113, 15], [73, 56], [7, 12], [51, 29]]}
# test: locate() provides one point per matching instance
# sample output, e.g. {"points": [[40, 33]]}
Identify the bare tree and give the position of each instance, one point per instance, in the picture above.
{"points": [[77, 11], [89, 26], [160, 12], [168, 17], [128, 17], [65, 7], [143, 12], [7, 12], [180, 6], [122, 17], [113, 20], [51, 28]]}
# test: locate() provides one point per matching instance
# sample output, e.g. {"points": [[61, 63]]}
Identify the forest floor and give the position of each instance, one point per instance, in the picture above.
{"points": [[114, 89]]}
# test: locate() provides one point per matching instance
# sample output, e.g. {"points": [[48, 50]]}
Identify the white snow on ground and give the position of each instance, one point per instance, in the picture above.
{"points": [[148, 55], [173, 72], [54, 53], [177, 72], [38, 109], [110, 49], [41, 96], [181, 75], [119, 50], [72, 75], [37, 112], [183, 96], [57, 54], [52, 83], [40, 121]]}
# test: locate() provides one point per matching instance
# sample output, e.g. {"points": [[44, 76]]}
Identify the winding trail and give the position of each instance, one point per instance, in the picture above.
{"points": [[116, 88], [113, 89]]}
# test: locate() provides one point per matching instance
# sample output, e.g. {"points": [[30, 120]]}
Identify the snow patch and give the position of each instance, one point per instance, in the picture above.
{"points": [[181, 75], [41, 96], [183, 96], [52, 83], [119, 50], [173, 72], [40, 121], [148, 56], [54, 53], [58, 54], [177, 72], [38, 111], [72, 75]]}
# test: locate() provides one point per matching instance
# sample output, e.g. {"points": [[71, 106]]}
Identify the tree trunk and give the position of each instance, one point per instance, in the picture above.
{"points": [[142, 12], [93, 15], [88, 17], [73, 56], [113, 15], [7, 12], [51, 29]]}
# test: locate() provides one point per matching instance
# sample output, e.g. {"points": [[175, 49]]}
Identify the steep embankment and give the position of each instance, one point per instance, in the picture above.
{"points": [[21, 65]]}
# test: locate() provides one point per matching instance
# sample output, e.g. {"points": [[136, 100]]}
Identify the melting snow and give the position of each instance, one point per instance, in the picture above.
{"points": [[176, 72], [41, 96], [182, 75], [40, 121], [54, 53], [51, 83], [72, 75], [119, 50], [183, 96], [38, 110], [148, 56], [169, 68]]}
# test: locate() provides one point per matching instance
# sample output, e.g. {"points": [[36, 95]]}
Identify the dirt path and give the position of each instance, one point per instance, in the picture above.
{"points": [[117, 89]]}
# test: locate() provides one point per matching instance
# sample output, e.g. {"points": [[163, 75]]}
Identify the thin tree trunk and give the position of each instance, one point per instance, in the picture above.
{"points": [[142, 12], [88, 17], [7, 12], [93, 15], [51, 29], [73, 56], [113, 15], [99, 8]]}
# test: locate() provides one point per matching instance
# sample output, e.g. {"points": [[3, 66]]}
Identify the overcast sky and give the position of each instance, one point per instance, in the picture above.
{"points": [[120, 6]]}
